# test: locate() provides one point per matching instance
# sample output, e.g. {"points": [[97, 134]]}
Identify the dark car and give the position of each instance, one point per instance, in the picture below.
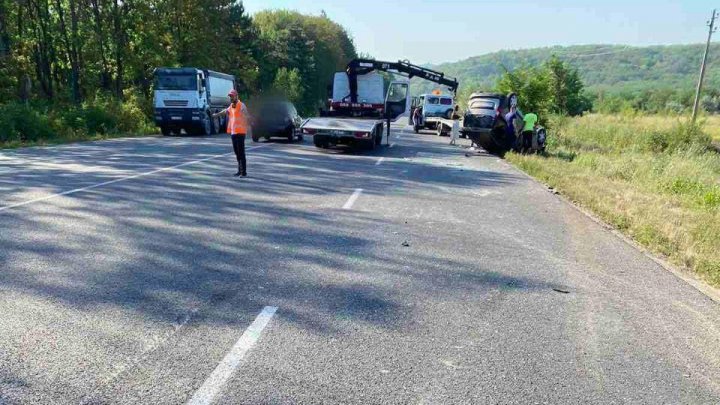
{"points": [[276, 118], [484, 121]]}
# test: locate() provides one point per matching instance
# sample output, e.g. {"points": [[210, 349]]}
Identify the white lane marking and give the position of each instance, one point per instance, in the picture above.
{"points": [[215, 382], [398, 136], [379, 162], [105, 183], [392, 144], [349, 203]]}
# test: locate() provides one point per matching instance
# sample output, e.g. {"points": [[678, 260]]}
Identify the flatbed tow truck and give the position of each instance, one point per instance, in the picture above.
{"points": [[350, 121]]}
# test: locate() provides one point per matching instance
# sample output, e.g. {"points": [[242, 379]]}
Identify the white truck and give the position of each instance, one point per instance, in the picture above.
{"points": [[186, 98], [360, 109]]}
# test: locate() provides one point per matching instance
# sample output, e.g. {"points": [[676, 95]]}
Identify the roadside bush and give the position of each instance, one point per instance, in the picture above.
{"points": [[102, 116], [20, 123], [682, 135]]}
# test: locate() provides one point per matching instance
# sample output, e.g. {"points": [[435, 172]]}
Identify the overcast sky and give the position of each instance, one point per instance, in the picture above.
{"points": [[448, 30]]}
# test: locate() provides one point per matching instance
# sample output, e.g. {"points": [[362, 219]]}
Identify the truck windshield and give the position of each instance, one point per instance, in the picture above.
{"points": [[176, 82]]}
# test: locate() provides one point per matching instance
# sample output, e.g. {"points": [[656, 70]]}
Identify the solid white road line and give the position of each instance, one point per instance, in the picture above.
{"points": [[212, 386], [379, 162], [349, 203], [105, 183]]}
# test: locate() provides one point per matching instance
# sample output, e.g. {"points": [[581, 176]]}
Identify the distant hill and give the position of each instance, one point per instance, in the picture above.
{"points": [[611, 69]]}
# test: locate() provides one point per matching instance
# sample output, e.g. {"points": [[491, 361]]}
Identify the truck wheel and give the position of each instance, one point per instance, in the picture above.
{"points": [[165, 131], [205, 126], [215, 125], [449, 114], [222, 128]]}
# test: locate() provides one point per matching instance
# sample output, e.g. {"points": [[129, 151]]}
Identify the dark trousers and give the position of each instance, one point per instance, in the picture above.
{"points": [[527, 139], [238, 142]]}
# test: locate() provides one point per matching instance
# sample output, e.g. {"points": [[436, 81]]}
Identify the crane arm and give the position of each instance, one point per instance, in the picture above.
{"points": [[362, 66]]}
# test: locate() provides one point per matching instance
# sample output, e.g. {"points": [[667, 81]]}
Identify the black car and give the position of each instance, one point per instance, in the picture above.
{"points": [[484, 121], [276, 118]]}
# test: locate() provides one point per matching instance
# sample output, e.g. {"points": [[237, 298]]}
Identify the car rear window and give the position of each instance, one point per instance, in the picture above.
{"points": [[433, 100], [488, 104], [446, 101]]}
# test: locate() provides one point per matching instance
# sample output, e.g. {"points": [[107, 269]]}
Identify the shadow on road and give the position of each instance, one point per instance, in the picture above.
{"points": [[194, 237]]}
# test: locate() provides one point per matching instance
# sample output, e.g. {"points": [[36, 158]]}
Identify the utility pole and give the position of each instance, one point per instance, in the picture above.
{"points": [[711, 24]]}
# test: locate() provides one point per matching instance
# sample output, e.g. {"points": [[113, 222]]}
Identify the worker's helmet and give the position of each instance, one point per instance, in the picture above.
{"points": [[232, 93]]}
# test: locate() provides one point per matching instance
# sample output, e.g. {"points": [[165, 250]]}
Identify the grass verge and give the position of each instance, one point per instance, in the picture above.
{"points": [[43, 123], [652, 177]]}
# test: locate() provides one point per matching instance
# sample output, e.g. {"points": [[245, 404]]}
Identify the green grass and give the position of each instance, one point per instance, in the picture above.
{"points": [[652, 177], [49, 124]]}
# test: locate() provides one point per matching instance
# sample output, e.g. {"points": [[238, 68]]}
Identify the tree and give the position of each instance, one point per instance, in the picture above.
{"points": [[532, 86], [566, 88], [288, 83], [553, 87]]}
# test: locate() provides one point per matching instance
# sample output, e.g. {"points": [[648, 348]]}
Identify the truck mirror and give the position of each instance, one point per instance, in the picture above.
{"points": [[396, 101]]}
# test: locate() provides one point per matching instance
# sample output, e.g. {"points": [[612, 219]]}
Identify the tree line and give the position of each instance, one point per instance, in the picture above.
{"points": [[83, 53]]}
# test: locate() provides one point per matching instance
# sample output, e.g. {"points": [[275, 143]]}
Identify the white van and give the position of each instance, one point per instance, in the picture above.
{"points": [[434, 105]]}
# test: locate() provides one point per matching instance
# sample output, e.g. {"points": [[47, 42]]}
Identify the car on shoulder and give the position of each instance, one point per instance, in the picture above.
{"points": [[484, 120], [276, 118]]}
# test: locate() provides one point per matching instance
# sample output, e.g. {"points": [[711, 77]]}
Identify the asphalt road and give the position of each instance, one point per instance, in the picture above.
{"points": [[141, 271]]}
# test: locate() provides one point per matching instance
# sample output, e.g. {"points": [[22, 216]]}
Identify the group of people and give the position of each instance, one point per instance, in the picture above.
{"points": [[238, 124], [523, 141]]}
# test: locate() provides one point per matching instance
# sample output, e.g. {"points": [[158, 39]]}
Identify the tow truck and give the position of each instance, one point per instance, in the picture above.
{"points": [[350, 121]]}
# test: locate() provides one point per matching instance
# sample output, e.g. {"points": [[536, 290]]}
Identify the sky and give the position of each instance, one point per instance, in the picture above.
{"points": [[435, 31]]}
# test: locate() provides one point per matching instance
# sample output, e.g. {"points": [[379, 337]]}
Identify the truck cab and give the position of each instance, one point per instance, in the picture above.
{"points": [[186, 98], [436, 105]]}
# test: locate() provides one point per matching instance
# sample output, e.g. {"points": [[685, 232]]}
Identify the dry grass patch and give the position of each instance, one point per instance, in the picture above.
{"points": [[651, 177]]}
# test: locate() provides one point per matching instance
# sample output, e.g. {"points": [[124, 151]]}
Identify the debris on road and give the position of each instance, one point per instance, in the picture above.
{"points": [[561, 291], [406, 244]]}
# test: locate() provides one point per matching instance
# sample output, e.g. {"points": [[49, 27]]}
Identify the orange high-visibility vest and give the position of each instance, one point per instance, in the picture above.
{"points": [[237, 123]]}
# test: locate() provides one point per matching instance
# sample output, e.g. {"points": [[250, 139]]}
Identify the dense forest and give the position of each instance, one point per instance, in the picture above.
{"points": [[655, 78], [71, 66]]}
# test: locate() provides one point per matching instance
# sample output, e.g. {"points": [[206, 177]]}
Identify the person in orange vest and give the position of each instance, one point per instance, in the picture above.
{"points": [[237, 127]]}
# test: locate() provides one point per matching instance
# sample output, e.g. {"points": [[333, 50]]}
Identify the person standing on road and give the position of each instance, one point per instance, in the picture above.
{"points": [[530, 120], [237, 127], [511, 130], [455, 131]]}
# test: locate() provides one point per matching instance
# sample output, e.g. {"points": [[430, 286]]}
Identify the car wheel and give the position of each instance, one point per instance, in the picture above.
{"points": [[255, 138], [166, 131], [449, 114]]}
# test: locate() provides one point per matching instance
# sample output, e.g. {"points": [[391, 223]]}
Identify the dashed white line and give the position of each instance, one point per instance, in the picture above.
{"points": [[349, 203], [105, 183], [379, 162], [222, 373], [392, 144]]}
